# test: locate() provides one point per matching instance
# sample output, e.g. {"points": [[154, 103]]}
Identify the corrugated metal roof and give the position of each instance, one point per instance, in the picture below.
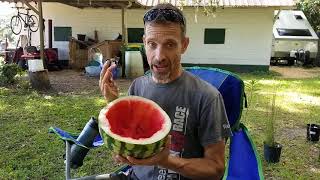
{"points": [[225, 3]]}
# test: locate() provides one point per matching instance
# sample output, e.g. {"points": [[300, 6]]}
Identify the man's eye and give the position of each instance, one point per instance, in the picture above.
{"points": [[152, 44], [170, 45]]}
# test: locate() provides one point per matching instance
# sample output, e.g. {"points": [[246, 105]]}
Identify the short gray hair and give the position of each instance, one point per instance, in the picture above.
{"points": [[165, 13]]}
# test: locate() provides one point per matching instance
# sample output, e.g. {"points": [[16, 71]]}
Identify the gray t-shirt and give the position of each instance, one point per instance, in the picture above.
{"points": [[198, 117]]}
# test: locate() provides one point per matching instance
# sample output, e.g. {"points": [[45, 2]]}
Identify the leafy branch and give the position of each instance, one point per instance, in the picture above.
{"points": [[251, 88], [209, 7], [311, 9]]}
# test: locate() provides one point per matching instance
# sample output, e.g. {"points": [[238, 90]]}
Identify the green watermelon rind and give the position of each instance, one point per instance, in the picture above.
{"points": [[133, 150]]}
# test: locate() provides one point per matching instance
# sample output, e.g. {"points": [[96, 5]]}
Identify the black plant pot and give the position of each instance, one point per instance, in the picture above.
{"points": [[313, 132], [272, 153]]}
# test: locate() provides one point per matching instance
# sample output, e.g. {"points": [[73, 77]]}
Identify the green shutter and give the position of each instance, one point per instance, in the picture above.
{"points": [[135, 35], [214, 36], [62, 33]]}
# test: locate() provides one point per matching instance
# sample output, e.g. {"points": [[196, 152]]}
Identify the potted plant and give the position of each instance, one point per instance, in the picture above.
{"points": [[313, 130], [272, 149]]}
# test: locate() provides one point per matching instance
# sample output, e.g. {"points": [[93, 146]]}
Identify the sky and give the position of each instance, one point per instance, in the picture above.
{"points": [[5, 8]]}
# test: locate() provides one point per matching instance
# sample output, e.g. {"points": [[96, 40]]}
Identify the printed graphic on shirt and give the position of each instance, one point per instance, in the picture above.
{"points": [[178, 133]]}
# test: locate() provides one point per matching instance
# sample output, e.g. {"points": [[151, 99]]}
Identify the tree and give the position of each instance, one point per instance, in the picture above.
{"points": [[311, 8], [209, 7], [5, 30]]}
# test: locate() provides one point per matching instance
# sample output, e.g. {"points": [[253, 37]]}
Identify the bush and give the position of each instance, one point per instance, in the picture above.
{"points": [[8, 72]]}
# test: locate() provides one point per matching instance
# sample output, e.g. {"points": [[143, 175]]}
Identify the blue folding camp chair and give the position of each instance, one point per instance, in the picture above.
{"points": [[243, 162]]}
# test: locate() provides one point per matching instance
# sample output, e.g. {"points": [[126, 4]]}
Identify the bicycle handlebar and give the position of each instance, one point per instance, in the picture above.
{"points": [[18, 7]]}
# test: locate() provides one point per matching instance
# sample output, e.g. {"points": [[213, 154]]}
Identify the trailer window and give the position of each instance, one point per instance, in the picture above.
{"points": [[298, 17], [293, 32]]}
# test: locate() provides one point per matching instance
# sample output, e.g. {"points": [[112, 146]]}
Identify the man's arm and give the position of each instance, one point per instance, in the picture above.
{"points": [[211, 166]]}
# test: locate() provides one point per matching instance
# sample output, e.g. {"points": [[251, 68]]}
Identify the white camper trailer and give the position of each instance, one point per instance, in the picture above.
{"points": [[293, 38]]}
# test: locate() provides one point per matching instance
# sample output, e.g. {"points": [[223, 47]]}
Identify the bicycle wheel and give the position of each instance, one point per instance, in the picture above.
{"points": [[16, 25], [33, 23]]}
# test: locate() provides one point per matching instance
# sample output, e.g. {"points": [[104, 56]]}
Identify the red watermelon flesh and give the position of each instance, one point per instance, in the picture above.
{"points": [[134, 119]]}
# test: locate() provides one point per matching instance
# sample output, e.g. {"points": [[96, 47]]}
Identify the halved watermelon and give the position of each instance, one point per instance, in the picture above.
{"points": [[134, 126]]}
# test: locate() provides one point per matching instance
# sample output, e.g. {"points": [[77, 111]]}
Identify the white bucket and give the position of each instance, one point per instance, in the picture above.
{"points": [[35, 65], [133, 64]]}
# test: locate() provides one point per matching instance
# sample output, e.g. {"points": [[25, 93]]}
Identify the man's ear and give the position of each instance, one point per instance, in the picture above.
{"points": [[144, 40], [185, 44]]}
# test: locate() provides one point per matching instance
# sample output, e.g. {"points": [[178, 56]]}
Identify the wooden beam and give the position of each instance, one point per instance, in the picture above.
{"points": [[97, 4], [124, 39], [276, 16], [41, 30], [86, 1], [31, 7], [123, 25]]}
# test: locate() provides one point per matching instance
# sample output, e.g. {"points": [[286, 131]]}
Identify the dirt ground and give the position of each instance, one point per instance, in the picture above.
{"points": [[75, 82], [296, 72]]}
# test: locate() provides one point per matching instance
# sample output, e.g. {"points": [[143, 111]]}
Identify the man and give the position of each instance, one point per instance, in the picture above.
{"points": [[196, 147]]}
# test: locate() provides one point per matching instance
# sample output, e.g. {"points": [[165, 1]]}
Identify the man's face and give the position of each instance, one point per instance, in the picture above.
{"points": [[164, 45]]}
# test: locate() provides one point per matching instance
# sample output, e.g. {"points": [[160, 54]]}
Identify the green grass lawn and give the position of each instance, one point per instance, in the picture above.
{"points": [[297, 103], [28, 151]]}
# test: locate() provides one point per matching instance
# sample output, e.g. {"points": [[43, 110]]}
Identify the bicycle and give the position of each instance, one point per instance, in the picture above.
{"points": [[30, 21]]}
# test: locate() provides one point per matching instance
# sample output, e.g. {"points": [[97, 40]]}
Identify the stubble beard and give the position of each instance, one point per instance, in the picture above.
{"points": [[160, 77]]}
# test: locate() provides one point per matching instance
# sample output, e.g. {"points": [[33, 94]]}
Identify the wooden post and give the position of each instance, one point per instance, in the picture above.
{"points": [[50, 32], [124, 28], [6, 54], [124, 40], [41, 29], [6, 45], [39, 80]]}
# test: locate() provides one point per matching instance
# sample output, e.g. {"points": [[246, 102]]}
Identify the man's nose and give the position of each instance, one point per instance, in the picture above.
{"points": [[160, 54]]}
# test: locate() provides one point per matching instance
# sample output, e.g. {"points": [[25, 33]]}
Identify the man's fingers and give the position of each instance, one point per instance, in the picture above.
{"points": [[107, 78], [104, 69], [107, 90], [133, 160], [122, 159], [119, 159], [115, 159], [106, 72], [168, 142], [147, 161]]}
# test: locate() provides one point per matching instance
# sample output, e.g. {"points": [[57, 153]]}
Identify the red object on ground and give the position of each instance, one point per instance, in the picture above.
{"points": [[29, 56], [51, 55]]}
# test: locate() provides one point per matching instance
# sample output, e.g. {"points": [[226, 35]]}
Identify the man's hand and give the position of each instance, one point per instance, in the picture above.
{"points": [[107, 85], [158, 159], [211, 166]]}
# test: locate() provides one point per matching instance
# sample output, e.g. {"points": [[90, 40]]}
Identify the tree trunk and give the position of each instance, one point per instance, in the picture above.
{"points": [[318, 55], [317, 63], [39, 80]]}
